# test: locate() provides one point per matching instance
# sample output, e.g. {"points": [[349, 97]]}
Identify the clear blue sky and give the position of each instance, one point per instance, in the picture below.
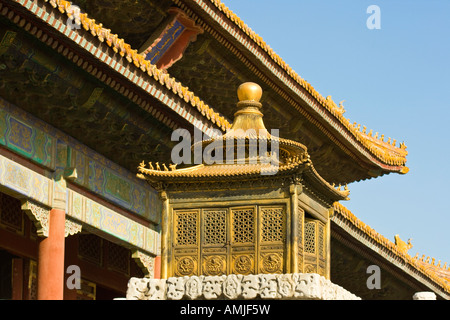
{"points": [[394, 80]]}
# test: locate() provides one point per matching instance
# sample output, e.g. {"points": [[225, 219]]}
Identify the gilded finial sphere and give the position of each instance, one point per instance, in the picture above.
{"points": [[249, 91]]}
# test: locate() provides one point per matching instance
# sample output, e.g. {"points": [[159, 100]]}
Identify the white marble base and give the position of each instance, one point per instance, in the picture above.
{"points": [[296, 286], [424, 295]]}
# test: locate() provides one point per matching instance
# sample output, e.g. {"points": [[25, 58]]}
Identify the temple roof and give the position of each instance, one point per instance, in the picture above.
{"points": [[437, 274], [326, 116], [387, 151], [327, 132], [368, 152], [435, 268]]}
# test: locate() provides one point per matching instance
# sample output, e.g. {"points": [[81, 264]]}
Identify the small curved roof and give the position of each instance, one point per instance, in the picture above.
{"points": [[286, 157]]}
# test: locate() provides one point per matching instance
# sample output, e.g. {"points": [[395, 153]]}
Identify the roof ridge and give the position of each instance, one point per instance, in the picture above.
{"points": [[125, 50], [380, 149], [328, 103], [433, 262], [395, 249]]}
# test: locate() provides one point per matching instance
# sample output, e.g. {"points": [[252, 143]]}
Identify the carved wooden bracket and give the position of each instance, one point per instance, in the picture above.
{"points": [[145, 261], [39, 215], [167, 46], [72, 227]]}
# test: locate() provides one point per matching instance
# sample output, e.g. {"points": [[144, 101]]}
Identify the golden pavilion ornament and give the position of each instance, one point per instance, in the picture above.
{"points": [[263, 212]]}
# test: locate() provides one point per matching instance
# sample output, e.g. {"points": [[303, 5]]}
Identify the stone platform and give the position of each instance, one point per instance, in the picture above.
{"points": [[295, 286]]}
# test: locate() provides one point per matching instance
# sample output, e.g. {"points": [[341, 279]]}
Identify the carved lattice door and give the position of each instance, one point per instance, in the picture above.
{"points": [[214, 242], [272, 239], [314, 247], [185, 243], [243, 240], [238, 240]]}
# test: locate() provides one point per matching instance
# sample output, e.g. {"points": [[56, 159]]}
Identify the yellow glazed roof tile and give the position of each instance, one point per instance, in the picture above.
{"points": [[438, 275], [387, 152], [121, 47], [384, 150]]}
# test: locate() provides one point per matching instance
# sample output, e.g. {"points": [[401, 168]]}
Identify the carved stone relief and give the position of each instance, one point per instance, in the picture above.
{"points": [[297, 286]]}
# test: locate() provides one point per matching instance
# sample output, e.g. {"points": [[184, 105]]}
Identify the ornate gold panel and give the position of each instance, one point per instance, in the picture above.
{"points": [[314, 249], [300, 239], [214, 265], [186, 228], [310, 268], [214, 237], [243, 222], [271, 262], [273, 229], [272, 239], [321, 241], [243, 239], [185, 266], [185, 242], [214, 227], [321, 248], [238, 240], [243, 264], [310, 237]]}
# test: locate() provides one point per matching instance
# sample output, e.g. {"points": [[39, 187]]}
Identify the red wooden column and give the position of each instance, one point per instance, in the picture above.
{"points": [[157, 268], [51, 258]]}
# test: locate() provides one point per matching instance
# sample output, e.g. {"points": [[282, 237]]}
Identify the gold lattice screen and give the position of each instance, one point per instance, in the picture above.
{"points": [[242, 240], [314, 250]]}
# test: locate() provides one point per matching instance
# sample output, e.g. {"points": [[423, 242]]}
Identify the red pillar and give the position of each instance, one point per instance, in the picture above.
{"points": [[51, 259], [157, 267]]}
